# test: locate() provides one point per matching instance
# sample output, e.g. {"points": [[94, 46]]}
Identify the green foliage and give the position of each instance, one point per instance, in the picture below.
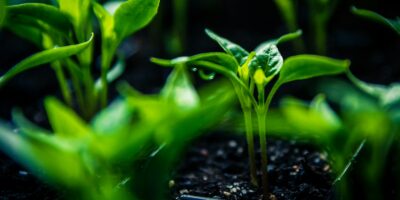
{"points": [[64, 30], [253, 71], [3, 11], [44, 57], [373, 16], [104, 159]]}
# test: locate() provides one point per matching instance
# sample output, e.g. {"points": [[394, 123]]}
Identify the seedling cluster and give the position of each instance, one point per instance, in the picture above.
{"points": [[129, 148]]}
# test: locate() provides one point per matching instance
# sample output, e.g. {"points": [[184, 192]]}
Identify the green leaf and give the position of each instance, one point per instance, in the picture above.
{"points": [[320, 106], [3, 12], [44, 57], [392, 23], [225, 60], [308, 66], [229, 47], [29, 33], [269, 59], [44, 155], [40, 13], [374, 90], [280, 40], [113, 119], [133, 15], [179, 90], [64, 121]]}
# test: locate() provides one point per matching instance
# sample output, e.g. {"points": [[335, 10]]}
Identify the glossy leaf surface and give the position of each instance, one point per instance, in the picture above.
{"points": [[307, 66], [44, 57], [133, 15]]}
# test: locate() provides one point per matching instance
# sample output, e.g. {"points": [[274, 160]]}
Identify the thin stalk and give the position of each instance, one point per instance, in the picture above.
{"points": [[352, 159], [246, 108], [261, 116], [65, 90], [77, 87]]}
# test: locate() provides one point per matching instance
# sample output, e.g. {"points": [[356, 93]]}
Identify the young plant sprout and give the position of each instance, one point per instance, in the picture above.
{"points": [[66, 30], [250, 72], [104, 159], [373, 16]]}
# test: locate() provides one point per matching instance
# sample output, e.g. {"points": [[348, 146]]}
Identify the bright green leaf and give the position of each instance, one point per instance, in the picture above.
{"points": [[180, 90], [44, 57], [133, 15], [229, 47], [112, 119], [65, 122], [392, 23], [307, 66]]}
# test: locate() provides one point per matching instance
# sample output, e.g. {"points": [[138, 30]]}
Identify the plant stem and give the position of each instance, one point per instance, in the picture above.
{"points": [[77, 86], [262, 112], [261, 116], [246, 109], [65, 90]]}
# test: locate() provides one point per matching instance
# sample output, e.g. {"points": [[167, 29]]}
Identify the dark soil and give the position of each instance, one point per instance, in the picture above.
{"points": [[217, 167]]}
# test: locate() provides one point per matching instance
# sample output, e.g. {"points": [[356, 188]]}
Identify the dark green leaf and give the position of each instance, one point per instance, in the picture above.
{"points": [[133, 15], [307, 66], [229, 47], [42, 13], [44, 57], [29, 33], [269, 59], [392, 23], [3, 11]]}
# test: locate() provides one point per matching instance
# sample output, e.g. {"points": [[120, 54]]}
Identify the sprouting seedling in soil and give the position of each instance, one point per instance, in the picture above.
{"points": [[104, 159], [373, 16], [320, 12], [66, 30], [250, 72]]}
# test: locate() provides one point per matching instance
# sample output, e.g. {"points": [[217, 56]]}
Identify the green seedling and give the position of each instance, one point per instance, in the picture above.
{"points": [[320, 12], [373, 16], [373, 112], [66, 30], [119, 153], [250, 72]]}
